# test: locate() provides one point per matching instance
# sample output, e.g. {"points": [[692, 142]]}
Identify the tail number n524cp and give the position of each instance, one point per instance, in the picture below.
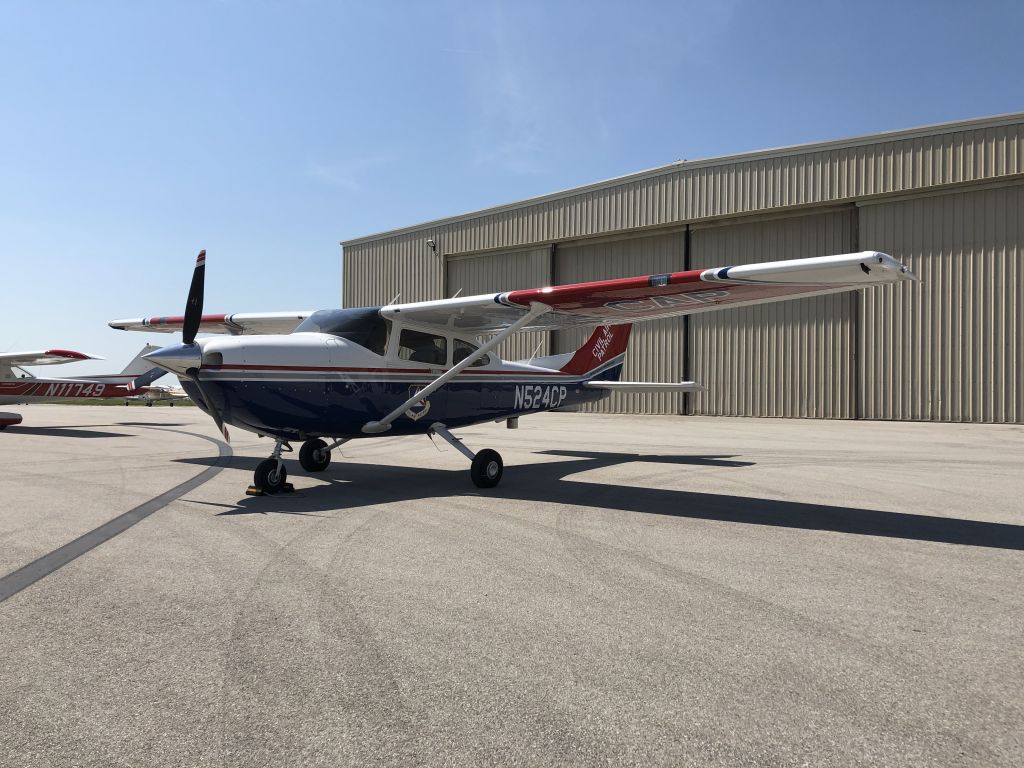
{"points": [[539, 396]]}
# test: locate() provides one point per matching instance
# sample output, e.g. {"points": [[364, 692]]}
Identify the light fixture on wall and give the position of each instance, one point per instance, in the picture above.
{"points": [[432, 245]]}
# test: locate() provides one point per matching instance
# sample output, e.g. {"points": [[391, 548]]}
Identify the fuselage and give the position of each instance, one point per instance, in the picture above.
{"points": [[309, 384], [33, 390]]}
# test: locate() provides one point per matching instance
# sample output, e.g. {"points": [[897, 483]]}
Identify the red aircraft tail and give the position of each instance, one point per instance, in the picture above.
{"points": [[605, 343]]}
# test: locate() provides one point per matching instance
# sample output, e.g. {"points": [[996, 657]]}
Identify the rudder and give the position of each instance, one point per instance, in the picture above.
{"points": [[606, 343], [138, 365]]}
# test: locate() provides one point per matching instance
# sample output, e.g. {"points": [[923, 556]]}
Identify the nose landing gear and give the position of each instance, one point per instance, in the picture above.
{"points": [[271, 476]]}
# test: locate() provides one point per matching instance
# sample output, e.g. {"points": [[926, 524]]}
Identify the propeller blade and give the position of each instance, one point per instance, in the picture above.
{"points": [[194, 306], [194, 375]]}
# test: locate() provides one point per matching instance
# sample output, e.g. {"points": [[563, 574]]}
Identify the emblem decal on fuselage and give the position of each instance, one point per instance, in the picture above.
{"points": [[419, 410]]}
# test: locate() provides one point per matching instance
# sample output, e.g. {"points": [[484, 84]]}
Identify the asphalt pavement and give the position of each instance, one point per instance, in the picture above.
{"points": [[637, 591]]}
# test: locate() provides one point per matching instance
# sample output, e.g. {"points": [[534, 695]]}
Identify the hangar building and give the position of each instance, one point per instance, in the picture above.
{"points": [[946, 199]]}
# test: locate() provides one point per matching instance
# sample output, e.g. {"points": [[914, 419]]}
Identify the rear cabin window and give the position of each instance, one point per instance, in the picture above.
{"points": [[462, 349], [422, 347]]}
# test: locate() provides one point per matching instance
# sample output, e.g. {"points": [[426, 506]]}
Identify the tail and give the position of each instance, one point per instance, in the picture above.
{"points": [[138, 366], [605, 347]]}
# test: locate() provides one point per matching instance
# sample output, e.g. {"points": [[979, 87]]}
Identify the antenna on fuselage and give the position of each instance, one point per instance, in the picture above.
{"points": [[456, 294], [535, 351], [397, 295]]}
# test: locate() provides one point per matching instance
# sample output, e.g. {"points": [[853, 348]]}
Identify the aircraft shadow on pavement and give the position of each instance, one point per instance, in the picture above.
{"points": [[152, 424], [69, 431], [350, 484]]}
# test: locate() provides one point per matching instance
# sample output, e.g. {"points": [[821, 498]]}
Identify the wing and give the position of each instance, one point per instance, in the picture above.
{"points": [[44, 357], [633, 299], [238, 324]]}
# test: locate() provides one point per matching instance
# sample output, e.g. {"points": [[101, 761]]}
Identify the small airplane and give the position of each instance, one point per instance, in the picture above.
{"points": [[18, 386], [430, 367], [156, 393]]}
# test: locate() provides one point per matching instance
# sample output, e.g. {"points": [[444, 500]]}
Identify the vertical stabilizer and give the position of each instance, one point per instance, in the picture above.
{"points": [[138, 366], [606, 343]]}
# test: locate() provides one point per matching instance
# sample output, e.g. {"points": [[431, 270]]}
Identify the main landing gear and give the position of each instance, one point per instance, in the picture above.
{"points": [[271, 476], [486, 466]]}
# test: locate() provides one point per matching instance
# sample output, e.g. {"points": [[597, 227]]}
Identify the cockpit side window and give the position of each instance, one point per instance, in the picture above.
{"points": [[377, 338], [462, 349], [363, 326], [422, 347]]}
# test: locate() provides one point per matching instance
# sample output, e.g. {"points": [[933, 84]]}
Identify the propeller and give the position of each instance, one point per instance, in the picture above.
{"points": [[194, 305], [186, 358]]}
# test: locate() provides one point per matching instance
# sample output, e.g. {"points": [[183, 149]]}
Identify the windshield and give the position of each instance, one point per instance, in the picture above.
{"points": [[363, 326]]}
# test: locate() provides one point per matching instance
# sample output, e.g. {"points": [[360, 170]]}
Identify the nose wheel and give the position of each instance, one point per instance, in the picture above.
{"points": [[271, 476]]}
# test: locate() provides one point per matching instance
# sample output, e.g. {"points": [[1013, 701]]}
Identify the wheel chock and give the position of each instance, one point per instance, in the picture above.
{"points": [[253, 490]]}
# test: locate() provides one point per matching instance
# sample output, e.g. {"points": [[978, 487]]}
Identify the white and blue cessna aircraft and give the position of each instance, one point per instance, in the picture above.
{"points": [[430, 366]]}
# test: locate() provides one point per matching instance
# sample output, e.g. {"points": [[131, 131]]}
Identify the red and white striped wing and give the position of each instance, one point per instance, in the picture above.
{"points": [[237, 324], [648, 297], [43, 357]]}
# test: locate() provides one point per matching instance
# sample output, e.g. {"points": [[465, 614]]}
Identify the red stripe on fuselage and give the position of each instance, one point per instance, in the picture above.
{"points": [[332, 369], [11, 388], [57, 389]]}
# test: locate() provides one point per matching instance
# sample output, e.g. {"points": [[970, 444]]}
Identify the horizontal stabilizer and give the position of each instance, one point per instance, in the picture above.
{"points": [[646, 386], [147, 378]]}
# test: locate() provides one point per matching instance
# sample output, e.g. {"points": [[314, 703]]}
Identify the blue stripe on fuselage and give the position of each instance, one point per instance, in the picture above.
{"points": [[336, 408]]}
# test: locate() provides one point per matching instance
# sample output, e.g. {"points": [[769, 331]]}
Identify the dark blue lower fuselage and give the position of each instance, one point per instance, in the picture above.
{"points": [[340, 408]]}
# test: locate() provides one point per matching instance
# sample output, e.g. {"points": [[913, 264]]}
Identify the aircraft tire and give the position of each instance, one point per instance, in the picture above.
{"points": [[487, 468], [268, 479], [313, 455]]}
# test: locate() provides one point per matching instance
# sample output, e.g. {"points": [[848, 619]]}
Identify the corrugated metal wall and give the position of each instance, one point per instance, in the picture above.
{"points": [[374, 274], [825, 173], [793, 358], [656, 349], [495, 272], [952, 347]]}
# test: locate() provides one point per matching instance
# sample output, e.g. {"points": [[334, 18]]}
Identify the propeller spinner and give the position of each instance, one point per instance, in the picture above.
{"points": [[186, 359]]}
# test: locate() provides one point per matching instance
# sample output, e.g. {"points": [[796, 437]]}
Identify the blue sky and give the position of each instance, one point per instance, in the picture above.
{"points": [[132, 134]]}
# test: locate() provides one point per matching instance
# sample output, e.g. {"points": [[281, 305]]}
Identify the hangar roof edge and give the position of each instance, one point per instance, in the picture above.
{"points": [[992, 121]]}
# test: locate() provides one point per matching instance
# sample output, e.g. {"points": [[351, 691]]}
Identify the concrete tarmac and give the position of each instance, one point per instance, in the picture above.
{"points": [[637, 591]]}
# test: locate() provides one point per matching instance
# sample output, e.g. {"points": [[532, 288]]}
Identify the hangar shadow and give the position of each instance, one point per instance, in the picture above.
{"points": [[351, 484]]}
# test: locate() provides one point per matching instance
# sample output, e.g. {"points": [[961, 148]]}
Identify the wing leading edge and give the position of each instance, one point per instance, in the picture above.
{"points": [[44, 357], [237, 324], [649, 297]]}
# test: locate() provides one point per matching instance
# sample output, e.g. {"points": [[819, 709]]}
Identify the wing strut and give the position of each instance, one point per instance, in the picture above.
{"points": [[375, 427]]}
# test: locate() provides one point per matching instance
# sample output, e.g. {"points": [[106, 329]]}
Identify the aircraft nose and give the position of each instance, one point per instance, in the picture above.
{"points": [[178, 358]]}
